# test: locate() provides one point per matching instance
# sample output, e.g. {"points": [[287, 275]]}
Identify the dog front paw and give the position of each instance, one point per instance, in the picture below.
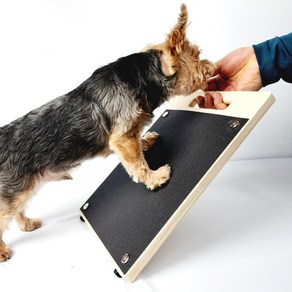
{"points": [[159, 177]]}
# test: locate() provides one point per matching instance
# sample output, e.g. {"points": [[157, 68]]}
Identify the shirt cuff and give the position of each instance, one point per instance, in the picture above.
{"points": [[266, 54]]}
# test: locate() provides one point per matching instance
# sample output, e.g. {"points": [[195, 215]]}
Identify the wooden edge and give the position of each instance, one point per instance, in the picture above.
{"points": [[242, 104], [265, 102]]}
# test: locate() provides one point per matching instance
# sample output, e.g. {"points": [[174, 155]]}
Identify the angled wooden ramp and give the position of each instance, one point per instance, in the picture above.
{"points": [[132, 222]]}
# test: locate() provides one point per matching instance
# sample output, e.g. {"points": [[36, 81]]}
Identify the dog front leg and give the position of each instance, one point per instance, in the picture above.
{"points": [[129, 150]]}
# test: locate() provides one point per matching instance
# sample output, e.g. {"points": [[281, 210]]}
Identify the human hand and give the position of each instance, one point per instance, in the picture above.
{"points": [[239, 70]]}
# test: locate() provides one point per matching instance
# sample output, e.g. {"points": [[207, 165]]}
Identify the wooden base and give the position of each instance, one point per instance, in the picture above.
{"points": [[132, 222]]}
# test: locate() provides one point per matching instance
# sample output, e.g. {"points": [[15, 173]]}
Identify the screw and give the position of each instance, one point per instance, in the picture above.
{"points": [[234, 123], [85, 206], [125, 258], [165, 114]]}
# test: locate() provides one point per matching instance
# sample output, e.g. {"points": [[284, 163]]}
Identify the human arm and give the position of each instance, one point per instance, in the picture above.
{"points": [[275, 59]]}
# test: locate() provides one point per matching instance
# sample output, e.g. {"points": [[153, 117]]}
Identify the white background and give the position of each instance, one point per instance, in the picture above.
{"points": [[226, 242], [49, 47]]}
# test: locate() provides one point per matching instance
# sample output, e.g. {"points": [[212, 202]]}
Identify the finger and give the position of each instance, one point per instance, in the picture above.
{"points": [[209, 100], [201, 101], [218, 101]]}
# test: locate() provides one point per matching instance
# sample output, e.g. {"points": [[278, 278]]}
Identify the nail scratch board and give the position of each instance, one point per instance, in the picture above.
{"points": [[131, 221]]}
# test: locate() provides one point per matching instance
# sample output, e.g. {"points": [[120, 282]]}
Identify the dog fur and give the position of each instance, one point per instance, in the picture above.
{"points": [[105, 114]]}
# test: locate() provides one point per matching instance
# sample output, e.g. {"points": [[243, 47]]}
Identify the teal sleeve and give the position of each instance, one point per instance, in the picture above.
{"points": [[275, 59]]}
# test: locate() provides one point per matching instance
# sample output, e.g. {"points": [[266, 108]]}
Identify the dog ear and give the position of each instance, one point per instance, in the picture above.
{"points": [[177, 36]]}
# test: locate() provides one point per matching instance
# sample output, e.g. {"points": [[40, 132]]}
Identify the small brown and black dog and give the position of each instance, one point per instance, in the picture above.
{"points": [[105, 114]]}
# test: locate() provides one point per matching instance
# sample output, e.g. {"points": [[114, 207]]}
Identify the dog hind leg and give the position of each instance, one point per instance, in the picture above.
{"points": [[13, 207], [27, 224]]}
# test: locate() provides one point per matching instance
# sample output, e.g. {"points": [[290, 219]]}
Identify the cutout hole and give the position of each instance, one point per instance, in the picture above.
{"points": [[221, 105], [194, 103]]}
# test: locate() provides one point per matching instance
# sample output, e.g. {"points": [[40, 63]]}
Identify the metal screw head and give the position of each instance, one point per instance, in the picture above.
{"points": [[165, 114], [234, 123], [125, 258], [85, 206]]}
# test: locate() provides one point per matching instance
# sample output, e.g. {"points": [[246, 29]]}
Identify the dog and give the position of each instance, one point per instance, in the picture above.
{"points": [[103, 115]]}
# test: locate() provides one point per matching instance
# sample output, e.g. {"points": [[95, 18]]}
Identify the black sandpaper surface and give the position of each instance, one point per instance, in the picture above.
{"points": [[126, 216]]}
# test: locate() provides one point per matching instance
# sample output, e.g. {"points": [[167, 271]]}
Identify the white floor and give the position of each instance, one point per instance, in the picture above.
{"points": [[237, 237]]}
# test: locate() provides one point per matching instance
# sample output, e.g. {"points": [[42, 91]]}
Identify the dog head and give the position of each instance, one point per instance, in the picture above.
{"points": [[179, 56]]}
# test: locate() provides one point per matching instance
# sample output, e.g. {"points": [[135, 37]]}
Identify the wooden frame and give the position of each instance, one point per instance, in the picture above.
{"points": [[245, 108]]}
